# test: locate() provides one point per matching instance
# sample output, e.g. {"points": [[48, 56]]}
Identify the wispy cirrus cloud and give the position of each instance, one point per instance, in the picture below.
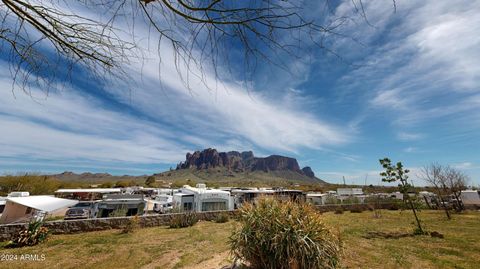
{"points": [[429, 69], [409, 136], [156, 123]]}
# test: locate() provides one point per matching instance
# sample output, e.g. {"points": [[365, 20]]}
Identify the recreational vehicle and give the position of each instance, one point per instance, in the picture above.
{"points": [[117, 205], [162, 203], [249, 195], [86, 194], [202, 199], [470, 197]]}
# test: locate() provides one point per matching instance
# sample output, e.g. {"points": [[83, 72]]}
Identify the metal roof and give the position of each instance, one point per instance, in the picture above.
{"points": [[97, 190]]}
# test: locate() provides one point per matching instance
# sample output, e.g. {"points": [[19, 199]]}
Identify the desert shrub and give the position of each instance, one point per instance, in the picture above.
{"points": [[338, 210], [332, 200], [222, 218], [132, 224], [183, 220], [276, 234], [34, 234], [356, 209], [351, 200], [394, 206]]}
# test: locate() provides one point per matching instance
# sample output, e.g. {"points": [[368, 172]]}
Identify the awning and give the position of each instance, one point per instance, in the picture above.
{"points": [[43, 202]]}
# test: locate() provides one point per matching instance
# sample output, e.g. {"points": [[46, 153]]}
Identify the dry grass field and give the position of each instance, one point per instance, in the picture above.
{"points": [[205, 245]]}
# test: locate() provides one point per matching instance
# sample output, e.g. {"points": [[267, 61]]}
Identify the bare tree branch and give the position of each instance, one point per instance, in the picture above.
{"points": [[200, 32]]}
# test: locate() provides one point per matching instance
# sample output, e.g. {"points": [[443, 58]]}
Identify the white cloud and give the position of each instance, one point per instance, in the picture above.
{"points": [[407, 136], [427, 68], [228, 109], [391, 99], [410, 150], [71, 124], [464, 165]]}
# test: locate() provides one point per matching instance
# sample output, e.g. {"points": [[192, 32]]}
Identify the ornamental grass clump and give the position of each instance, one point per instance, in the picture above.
{"points": [[280, 235]]}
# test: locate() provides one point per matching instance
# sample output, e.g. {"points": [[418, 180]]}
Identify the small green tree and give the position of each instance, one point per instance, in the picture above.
{"points": [[396, 173]]}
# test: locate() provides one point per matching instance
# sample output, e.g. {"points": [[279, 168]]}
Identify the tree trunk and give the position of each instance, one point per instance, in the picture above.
{"points": [[427, 202], [415, 214], [444, 207], [439, 193], [459, 201]]}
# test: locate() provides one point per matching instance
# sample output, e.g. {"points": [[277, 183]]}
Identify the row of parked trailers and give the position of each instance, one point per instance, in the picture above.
{"points": [[99, 203], [112, 202]]}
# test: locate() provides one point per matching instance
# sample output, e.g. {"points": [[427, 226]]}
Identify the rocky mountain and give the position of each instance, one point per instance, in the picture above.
{"points": [[242, 162], [222, 168]]}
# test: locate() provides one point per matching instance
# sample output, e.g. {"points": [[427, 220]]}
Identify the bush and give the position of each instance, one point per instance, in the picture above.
{"points": [[276, 234], [339, 210], [332, 200], [183, 220], [34, 234], [132, 224], [222, 218], [356, 209], [394, 206], [351, 200]]}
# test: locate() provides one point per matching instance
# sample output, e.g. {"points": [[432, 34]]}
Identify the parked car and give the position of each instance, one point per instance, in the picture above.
{"points": [[82, 210]]}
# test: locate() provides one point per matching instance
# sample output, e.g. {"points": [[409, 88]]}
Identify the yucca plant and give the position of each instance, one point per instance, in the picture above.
{"points": [[34, 234], [280, 235]]}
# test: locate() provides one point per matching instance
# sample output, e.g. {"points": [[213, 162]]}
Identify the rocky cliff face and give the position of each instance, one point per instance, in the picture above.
{"points": [[211, 158], [275, 163], [241, 162], [308, 171]]}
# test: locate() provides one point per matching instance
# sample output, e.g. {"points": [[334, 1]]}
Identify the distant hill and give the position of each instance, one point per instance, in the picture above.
{"points": [[96, 177], [219, 168]]}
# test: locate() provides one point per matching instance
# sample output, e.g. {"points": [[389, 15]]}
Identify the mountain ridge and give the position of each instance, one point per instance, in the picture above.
{"points": [[241, 162], [209, 165]]}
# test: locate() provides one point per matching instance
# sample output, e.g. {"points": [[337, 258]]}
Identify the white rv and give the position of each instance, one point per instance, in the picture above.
{"points": [[201, 199], [249, 195], [318, 198], [162, 203], [470, 197], [121, 205]]}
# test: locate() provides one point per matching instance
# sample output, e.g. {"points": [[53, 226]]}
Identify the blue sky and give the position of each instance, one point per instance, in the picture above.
{"points": [[408, 89]]}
